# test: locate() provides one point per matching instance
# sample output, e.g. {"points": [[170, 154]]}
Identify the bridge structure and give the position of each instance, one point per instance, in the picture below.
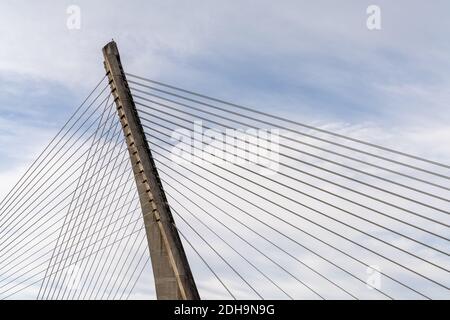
{"points": [[152, 189]]}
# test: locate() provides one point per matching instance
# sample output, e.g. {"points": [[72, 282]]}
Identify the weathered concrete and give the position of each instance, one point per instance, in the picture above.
{"points": [[173, 277]]}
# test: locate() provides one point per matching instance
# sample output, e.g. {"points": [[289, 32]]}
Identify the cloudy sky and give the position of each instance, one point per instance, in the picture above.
{"points": [[315, 62]]}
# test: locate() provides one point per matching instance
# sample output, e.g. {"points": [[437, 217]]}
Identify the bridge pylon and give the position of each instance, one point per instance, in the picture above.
{"points": [[172, 274]]}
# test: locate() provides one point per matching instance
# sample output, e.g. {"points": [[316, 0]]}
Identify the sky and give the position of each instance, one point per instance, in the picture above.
{"points": [[315, 62]]}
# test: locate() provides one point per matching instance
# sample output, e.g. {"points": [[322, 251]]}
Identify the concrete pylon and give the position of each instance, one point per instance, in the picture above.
{"points": [[173, 276]]}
